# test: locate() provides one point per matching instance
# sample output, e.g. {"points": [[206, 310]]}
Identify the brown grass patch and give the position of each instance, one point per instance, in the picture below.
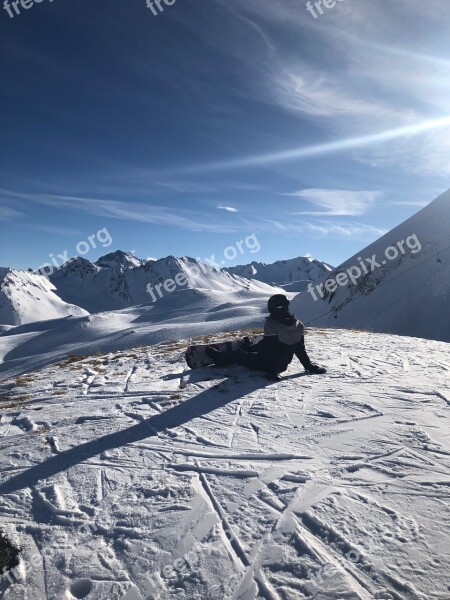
{"points": [[73, 358], [43, 429], [24, 379], [217, 338], [170, 348], [8, 401]]}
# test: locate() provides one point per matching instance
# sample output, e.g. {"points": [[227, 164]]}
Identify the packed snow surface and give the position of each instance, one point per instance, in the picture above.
{"points": [[127, 476]]}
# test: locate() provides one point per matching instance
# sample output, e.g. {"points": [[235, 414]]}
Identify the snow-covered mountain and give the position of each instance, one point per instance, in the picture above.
{"points": [[407, 294], [293, 275], [113, 282], [119, 260], [26, 296]]}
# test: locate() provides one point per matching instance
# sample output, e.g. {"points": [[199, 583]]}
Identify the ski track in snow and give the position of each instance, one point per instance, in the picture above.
{"points": [[125, 475]]}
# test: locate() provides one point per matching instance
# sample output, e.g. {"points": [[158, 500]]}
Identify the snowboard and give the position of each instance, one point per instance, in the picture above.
{"points": [[196, 356]]}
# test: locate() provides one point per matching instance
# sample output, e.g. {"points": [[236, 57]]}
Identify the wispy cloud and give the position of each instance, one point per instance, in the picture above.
{"points": [[187, 187], [337, 202], [308, 91], [230, 209], [365, 92], [236, 12], [277, 224], [317, 228], [286, 222], [8, 214], [130, 211], [345, 230], [418, 203], [374, 142]]}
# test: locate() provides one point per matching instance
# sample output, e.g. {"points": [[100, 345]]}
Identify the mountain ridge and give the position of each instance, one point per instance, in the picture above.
{"points": [[116, 286]]}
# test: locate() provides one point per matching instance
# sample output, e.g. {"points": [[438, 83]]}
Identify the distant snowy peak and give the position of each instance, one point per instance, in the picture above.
{"points": [[26, 297], [119, 260], [293, 274]]}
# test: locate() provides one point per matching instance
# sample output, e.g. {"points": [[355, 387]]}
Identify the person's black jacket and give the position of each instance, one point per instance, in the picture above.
{"points": [[279, 346], [275, 356]]}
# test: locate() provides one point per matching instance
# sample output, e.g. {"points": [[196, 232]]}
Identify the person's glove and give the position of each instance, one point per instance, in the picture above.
{"points": [[316, 369]]}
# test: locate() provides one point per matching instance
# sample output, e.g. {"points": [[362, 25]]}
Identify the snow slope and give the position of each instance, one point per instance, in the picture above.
{"points": [[181, 315], [108, 285], [26, 296], [126, 476], [293, 275], [406, 296]]}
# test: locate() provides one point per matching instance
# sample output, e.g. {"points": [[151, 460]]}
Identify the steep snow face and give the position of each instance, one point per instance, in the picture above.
{"points": [[98, 288], [119, 260], [293, 275], [406, 295], [26, 297]]}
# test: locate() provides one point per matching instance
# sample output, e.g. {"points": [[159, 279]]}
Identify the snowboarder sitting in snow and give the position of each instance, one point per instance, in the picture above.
{"points": [[283, 337]]}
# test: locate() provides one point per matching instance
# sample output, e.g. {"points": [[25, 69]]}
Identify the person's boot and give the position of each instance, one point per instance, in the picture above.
{"points": [[273, 377], [316, 369]]}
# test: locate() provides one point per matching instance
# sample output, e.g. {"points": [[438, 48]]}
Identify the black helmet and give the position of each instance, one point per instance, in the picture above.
{"points": [[279, 301]]}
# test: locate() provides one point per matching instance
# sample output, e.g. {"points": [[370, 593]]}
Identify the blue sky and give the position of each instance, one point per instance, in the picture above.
{"points": [[185, 132]]}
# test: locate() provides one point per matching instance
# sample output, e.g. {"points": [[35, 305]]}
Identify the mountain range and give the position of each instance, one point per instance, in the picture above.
{"points": [[119, 280]]}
